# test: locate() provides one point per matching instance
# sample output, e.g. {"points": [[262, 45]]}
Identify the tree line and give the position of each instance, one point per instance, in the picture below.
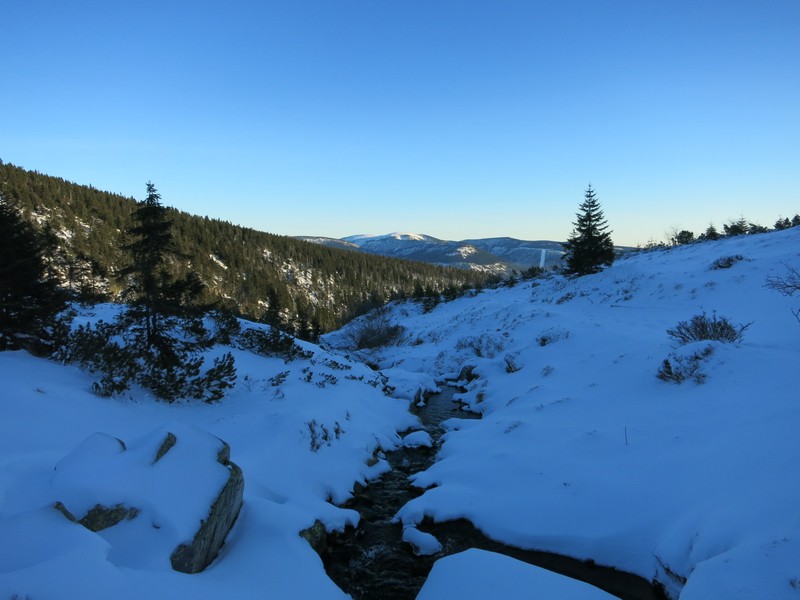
{"points": [[304, 288]]}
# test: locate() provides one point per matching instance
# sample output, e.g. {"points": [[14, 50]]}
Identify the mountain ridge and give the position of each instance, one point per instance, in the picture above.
{"points": [[500, 256]]}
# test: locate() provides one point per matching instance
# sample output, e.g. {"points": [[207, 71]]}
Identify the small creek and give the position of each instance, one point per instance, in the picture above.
{"points": [[373, 562]]}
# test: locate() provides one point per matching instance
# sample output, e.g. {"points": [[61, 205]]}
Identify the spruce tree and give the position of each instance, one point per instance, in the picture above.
{"points": [[151, 291], [158, 340], [710, 233], [29, 296], [589, 248]]}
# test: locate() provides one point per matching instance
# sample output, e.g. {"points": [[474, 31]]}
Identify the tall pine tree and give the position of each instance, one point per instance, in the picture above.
{"points": [[159, 339], [150, 295], [589, 248]]}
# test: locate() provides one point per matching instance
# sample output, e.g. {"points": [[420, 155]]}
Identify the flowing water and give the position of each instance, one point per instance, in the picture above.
{"points": [[372, 562]]}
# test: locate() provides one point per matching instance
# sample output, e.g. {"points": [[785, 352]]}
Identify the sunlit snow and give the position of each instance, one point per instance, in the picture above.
{"points": [[581, 450]]}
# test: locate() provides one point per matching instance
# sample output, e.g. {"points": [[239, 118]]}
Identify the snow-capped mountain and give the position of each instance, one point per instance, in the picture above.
{"points": [[501, 256]]}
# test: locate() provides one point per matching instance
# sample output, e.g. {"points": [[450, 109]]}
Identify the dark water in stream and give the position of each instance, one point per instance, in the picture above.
{"points": [[372, 562]]}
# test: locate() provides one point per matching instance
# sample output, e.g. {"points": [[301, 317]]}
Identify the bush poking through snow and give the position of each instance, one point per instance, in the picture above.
{"points": [[484, 345], [701, 328], [273, 343], [321, 435], [552, 335], [726, 262], [175, 371], [680, 367], [511, 364], [374, 331]]}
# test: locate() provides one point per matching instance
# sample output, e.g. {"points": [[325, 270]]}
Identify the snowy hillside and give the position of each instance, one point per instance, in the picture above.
{"points": [[302, 432], [582, 450]]}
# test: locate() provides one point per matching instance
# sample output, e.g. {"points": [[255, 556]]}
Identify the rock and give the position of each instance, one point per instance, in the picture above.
{"points": [[102, 517], [176, 484], [316, 536], [169, 442], [197, 555]]}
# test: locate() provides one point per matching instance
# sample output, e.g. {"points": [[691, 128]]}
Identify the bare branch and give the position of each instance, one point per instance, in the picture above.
{"points": [[787, 284]]}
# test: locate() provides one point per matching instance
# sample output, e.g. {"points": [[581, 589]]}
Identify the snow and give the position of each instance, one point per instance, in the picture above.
{"points": [[217, 260], [477, 574], [581, 450], [172, 495], [49, 412], [417, 439], [464, 251], [423, 543]]}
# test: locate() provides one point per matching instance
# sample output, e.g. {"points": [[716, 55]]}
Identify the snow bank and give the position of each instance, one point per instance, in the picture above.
{"points": [[478, 574], [302, 432], [582, 450]]}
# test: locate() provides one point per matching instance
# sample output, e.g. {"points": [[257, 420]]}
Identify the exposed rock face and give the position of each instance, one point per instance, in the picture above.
{"points": [[197, 555], [316, 536], [177, 484], [101, 517]]}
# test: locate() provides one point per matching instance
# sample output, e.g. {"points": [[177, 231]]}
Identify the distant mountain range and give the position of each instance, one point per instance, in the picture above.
{"points": [[501, 256]]}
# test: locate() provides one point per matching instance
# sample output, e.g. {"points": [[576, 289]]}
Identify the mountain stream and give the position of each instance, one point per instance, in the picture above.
{"points": [[372, 562]]}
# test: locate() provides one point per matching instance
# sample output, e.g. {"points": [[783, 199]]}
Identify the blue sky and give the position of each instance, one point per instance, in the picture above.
{"points": [[458, 119]]}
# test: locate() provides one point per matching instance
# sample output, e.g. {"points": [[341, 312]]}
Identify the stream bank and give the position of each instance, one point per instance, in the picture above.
{"points": [[373, 562]]}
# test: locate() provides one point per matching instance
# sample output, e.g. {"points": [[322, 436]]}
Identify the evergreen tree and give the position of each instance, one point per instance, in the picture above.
{"points": [[739, 227], [710, 233], [782, 224], [151, 293], [684, 236], [157, 341], [589, 247], [29, 297]]}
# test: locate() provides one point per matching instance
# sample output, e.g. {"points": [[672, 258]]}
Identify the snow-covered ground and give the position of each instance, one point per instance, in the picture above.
{"points": [[581, 450], [302, 432]]}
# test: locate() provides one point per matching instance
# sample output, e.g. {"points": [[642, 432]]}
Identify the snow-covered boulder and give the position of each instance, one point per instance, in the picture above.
{"points": [[167, 499]]}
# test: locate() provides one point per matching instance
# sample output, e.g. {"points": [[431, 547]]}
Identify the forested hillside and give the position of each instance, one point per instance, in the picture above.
{"points": [[305, 286]]}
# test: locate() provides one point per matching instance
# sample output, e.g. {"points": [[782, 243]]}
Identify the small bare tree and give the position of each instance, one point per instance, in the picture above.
{"points": [[787, 284]]}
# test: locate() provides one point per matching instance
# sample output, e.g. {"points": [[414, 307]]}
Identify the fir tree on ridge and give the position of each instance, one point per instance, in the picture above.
{"points": [[589, 247]]}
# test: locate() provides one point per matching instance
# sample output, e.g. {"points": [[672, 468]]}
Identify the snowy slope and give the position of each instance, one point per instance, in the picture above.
{"points": [[275, 422], [584, 451], [581, 449]]}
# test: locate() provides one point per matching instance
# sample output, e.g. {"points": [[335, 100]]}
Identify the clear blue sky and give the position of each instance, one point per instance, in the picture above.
{"points": [[453, 118]]}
